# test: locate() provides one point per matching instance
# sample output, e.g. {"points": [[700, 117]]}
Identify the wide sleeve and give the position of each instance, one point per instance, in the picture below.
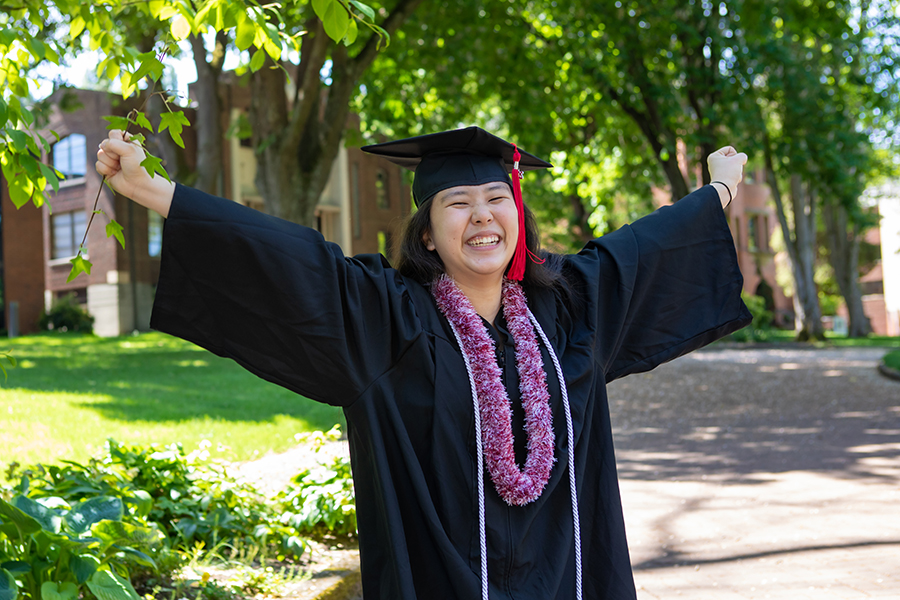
{"points": [[663, 286], [278, 299]]}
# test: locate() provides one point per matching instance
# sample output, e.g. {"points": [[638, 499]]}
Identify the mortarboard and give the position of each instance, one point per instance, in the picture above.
{"points": [[469, 156]]}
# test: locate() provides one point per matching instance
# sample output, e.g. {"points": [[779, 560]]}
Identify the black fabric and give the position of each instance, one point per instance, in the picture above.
{"points": [[352, 332], [469, 156]]}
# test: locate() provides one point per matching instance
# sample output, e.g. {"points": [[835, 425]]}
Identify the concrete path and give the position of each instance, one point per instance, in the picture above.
{"points": [[770, 473]]}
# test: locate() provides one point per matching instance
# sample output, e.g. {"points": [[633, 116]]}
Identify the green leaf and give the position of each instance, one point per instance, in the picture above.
{"points": [[50, 175], [49, 519], [364, 9], [142, 501], [119, 532], [94, 510], [16, 567], [174, 121], [150, 67], [76, 27], [84, 566], [4, 112], [245, 32], [180, 28], [19, 138], [50, 590], [256, 63], [154, 166], [113, 229], [106, 585], [334, 18], [26, 524], [138, 556], [79, 265], [9, 590], [141, 120], [352, 32], [120, 123]]}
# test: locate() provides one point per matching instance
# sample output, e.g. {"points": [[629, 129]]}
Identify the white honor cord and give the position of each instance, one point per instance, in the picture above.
{"points": [[479, 446], [571, 438]]}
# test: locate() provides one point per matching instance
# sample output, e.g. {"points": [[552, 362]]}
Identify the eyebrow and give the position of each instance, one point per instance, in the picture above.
{"points": [[496, 186]]}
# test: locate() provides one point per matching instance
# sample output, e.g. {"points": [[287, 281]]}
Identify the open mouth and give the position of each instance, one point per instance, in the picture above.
{"points": [[484, 241]]}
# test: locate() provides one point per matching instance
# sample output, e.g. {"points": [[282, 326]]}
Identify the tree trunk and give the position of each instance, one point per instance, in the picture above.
{"points": [[209, 120], [578, 224], [843, 245], [296, 144], [801, 252], [806, 301]]}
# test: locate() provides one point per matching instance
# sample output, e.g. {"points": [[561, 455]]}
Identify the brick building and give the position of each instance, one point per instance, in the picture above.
{"points": [[360, 210]]}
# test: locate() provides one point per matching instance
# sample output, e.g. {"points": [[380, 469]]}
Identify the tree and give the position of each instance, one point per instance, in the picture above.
{"points": [[32, 33]]}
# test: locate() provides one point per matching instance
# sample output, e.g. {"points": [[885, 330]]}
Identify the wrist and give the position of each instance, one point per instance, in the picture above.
{"points": [[156, 195], [726, 195]]}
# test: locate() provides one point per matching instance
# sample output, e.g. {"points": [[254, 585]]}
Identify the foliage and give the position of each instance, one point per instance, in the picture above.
{"points": [[760, 326], [191, 501], [66, 314], [67, 527], [320, 500], [35, 33], [54, 548], [892, 360]]}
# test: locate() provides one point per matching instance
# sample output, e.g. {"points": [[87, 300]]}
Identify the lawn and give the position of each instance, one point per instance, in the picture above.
{"points": [[71, 392]]}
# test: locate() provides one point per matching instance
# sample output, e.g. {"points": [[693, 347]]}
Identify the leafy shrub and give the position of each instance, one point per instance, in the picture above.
{"points": [[66, 315], [51, 549], [892, 360], [138, 512], [321, 501], [761, 324]]}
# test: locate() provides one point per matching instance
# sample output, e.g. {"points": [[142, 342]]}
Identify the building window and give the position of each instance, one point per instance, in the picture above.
{"points": [[757, 233], [68, 231], [382, 198], [70, 156], [154, 233]]}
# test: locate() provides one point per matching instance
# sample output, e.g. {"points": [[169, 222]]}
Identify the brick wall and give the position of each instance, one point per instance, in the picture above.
{"points": [[23, 260]]}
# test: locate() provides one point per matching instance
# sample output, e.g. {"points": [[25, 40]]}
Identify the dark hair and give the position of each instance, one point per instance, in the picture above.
{"points": [[423, 265]]}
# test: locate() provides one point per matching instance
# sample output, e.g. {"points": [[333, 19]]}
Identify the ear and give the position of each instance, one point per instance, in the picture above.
{"points": [[426, 239]]}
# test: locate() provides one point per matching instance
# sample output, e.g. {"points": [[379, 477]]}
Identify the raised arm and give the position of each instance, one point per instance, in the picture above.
{"points": [[120, 162], [726, 170]]}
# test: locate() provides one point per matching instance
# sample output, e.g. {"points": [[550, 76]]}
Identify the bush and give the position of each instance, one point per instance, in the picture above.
{"points": [[758, 329], [892, 360], [67, 315]]}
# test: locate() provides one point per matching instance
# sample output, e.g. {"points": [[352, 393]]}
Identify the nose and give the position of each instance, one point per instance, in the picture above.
{"points": [[482, 214]]}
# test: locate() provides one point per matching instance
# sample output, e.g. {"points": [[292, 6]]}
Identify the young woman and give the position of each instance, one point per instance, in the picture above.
{"points": [[473, 378]]}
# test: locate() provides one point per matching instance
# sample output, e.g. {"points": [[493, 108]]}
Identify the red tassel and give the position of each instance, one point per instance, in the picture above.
{"points": [[517, 266]]}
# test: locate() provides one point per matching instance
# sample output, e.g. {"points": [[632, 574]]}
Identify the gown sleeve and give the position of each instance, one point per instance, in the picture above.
{"points": [[663, 286], [278, 299]]}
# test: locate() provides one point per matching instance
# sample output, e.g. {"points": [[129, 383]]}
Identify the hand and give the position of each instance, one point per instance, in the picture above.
{"points": [[727, 165], [119, 160]]}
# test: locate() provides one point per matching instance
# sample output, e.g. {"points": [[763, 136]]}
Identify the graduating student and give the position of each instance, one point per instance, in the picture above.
{"points": [[472, 376]]}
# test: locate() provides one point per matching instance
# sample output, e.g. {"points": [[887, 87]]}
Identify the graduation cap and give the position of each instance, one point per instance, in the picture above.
{"points": [[469, 156]]}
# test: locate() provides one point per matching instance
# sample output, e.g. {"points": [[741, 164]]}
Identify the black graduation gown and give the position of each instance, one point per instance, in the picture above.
{"points": [[352, 332]]}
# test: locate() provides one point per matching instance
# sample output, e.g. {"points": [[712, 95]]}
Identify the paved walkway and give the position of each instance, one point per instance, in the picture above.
{"points": [[768, 473]]}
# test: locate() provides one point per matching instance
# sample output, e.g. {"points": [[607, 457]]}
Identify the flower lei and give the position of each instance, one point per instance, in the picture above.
{"points": [[517, 487]]}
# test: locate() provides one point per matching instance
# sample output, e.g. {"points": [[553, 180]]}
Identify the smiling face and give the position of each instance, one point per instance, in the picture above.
{"points": [[474, 229]]}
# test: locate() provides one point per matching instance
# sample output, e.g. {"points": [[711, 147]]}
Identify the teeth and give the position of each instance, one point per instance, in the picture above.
{"points": [[486, 241]]}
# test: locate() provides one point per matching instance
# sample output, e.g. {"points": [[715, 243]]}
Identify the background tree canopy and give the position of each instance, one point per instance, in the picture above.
{"points": [[614, 92]]}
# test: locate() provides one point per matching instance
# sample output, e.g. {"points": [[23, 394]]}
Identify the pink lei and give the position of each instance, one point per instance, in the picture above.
{"points": [[517, 487]]}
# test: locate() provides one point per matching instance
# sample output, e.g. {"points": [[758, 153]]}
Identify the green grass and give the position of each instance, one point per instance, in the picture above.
{"points": [[71, 392], [779, 336], [892, 359]]}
